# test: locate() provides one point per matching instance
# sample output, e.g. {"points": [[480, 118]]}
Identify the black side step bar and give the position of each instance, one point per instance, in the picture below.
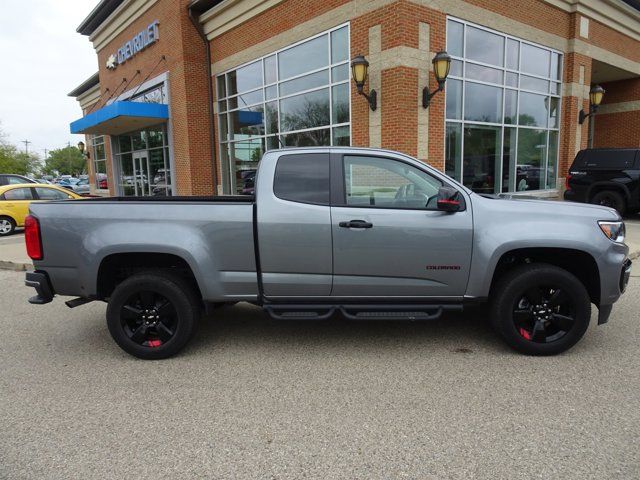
{"points": [[360, 312]]}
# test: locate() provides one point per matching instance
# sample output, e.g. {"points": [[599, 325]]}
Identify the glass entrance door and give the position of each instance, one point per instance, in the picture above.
{"points": [[141, 173]]}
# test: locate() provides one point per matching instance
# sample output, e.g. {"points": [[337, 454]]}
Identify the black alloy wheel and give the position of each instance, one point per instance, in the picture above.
{"points": [[544, 314], [149, 319], [153, 315], [540, 309]]}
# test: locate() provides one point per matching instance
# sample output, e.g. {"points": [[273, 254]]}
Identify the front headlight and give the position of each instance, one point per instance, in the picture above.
{"points": [[613, 230]]}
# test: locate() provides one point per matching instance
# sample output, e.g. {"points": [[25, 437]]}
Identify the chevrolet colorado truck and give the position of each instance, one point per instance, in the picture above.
{"points": [[367, 233]]}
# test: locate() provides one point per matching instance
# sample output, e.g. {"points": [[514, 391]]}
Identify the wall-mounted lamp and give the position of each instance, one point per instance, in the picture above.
{"points": [[441, 65], [359, 71], [81, 148], [595, 98]]}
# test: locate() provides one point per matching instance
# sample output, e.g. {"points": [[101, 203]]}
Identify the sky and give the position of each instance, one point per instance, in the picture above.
{"points": [[42, 58]]}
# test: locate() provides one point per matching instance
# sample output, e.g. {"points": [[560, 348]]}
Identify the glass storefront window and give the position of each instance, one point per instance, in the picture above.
{"points": [[483, 103], [484, 46], [455, 38], [454, 99], [533, 110], [298, 96], [453, 160], [532, 153], [307, 56], [142, 160], [502, 110], [99, 162], [481, 154]]}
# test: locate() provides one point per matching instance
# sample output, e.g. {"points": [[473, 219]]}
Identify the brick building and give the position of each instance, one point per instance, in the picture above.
{"points": [[190, 94]]}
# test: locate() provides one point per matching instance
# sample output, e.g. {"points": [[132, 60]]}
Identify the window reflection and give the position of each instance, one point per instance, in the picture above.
{"points": [[483, 46], [532, 152], [502, 111], [298, 96]]}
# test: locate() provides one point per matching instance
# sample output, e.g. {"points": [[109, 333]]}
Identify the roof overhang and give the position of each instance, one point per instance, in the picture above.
{"points": [[98, 15], [88, 84], [121, 117]]}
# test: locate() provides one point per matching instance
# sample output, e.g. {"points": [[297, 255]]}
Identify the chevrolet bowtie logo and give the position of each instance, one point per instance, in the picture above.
{"points": [[112, 62]]}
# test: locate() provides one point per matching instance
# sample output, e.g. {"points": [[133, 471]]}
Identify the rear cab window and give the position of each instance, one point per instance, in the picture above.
{"points": [[303, 178], [613, 159]]}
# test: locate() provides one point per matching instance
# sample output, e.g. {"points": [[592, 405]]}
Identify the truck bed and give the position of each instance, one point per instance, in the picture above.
{"points": [[214, 235]]}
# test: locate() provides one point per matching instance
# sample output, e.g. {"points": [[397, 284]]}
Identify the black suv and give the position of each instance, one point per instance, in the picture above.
{"points": [[606, 176], [11, 178]]}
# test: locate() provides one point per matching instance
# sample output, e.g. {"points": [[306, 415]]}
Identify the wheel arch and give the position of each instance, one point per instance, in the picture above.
{"points": [[116, 267], [577, 262], [598, 187]]}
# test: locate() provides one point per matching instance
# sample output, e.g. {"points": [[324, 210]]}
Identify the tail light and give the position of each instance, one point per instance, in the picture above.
{"points": [[32, 237], [566, 182]]}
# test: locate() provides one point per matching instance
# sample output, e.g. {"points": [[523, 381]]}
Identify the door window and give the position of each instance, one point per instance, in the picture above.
{"points": [[18, 194], [50, 194], [385, 183], [303, 178]]}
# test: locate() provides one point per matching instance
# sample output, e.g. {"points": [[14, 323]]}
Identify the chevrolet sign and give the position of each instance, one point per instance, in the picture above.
{"points": [[138, 43]]}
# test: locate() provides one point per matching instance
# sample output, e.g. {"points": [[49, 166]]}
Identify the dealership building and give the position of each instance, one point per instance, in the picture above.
{"points": [[190, 94]]}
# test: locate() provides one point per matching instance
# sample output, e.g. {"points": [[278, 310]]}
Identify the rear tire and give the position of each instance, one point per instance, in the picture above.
{"points": [[153, 315], [540, 309], [7, 226], [610, 198]]}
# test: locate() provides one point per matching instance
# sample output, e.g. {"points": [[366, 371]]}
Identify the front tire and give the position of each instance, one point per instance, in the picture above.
{"points": [[540, 309], [610, 198], [7, 226], [153, 315]]}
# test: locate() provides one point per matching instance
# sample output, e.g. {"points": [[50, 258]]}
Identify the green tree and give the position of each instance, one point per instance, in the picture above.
{"points": [[11, 161], [65, 161]]}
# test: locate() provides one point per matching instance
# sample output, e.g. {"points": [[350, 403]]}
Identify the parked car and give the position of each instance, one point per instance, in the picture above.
{"points": [[606, 176], [13, 179], [101, 180], [369, 233], [16, 199], [78, 185]]}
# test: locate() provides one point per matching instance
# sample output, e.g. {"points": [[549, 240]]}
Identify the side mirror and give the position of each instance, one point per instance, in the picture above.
{"points": [[448, 199]]}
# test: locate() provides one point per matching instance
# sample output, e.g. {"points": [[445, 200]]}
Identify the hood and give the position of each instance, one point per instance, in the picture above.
{"points": [[532, 205]]}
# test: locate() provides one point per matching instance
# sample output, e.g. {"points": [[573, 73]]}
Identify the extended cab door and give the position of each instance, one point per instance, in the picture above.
{"points": [[389, 239], [294, 224]]}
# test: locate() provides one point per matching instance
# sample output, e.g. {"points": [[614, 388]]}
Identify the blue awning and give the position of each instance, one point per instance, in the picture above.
{"points": [[121, 117]]}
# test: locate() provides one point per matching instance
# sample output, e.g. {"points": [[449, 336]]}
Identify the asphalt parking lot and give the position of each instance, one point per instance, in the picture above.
{"points": [[255, 398]]}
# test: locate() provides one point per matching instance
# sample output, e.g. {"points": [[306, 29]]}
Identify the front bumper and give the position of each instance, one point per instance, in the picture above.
{"points": [[625, 274], [39, 281]]}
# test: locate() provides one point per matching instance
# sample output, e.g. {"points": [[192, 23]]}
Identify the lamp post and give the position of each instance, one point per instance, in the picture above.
{"points": [[359, 72], [441, 66]]}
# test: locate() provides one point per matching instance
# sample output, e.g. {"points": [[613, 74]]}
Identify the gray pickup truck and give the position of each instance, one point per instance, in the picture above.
{"points": [[370, 234]]}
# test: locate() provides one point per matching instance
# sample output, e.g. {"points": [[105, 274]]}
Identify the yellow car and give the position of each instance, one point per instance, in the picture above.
{"points": [[15, 200]]}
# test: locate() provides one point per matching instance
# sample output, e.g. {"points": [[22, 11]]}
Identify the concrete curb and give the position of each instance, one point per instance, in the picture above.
{"points": [[15, 266]]}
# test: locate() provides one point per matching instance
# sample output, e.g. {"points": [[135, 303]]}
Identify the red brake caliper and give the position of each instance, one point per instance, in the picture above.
{"points": [[155, 342], [525, 334]]}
